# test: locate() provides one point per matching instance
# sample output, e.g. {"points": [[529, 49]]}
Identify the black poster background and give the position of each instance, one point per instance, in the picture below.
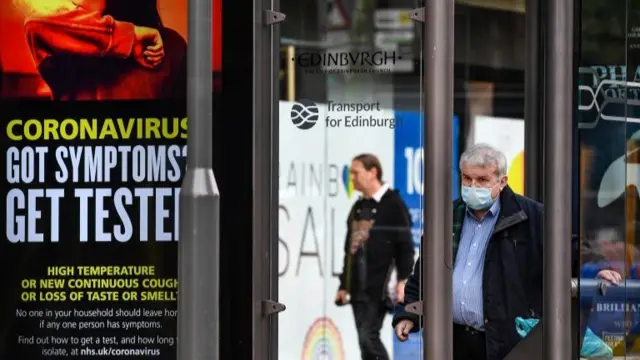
{"points": [[22, 261]]}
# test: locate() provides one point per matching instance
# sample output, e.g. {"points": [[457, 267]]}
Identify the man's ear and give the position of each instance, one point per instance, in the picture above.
{"points": [[503, 182], [374, 173]]}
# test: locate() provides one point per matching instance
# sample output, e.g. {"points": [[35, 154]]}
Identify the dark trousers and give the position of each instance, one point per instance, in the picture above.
{"points": [[468, 343], [369, 316]]}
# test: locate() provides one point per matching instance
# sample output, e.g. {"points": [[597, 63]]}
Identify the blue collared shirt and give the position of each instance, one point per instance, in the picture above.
{"points": [[469, 267]]}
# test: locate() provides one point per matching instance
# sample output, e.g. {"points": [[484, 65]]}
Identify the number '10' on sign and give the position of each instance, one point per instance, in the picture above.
{"points": [[414, 159]]}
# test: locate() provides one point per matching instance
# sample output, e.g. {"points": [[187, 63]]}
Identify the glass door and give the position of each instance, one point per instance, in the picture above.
{"points": [[350, 176], [609, 131]]}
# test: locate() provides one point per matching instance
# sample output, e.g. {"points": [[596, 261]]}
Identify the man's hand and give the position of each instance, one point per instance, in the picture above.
{"points": [[400, 291], [403, 328], [610, 275], [342, 297], [148, 49]]}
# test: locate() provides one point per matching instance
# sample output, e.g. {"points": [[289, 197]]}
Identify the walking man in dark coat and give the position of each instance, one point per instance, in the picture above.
{"points": [[497, 247]]}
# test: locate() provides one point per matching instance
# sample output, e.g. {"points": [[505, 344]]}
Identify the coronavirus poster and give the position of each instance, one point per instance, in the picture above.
{"points": [[89, 258], [93, 150]]}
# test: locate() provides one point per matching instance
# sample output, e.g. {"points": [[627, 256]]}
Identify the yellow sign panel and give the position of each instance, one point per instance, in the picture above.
{"points": [[516, 173]]}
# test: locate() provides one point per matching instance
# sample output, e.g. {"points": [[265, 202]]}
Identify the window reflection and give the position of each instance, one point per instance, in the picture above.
{"points": [[608, 133]]}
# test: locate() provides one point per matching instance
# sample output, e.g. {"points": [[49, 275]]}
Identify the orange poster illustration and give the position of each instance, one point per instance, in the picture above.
{"points": [[96, 49]]}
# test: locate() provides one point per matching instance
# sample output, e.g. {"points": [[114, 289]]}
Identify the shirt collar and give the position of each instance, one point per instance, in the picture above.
{"points": [[380, 193]]}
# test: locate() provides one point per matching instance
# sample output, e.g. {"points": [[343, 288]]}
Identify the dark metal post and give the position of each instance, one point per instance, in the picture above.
{"points": [[437, 269], [557, 182], [199, 246], [533, 101], [266, 66]]}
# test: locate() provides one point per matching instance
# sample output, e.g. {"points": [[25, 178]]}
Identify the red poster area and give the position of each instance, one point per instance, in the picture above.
{"points": [[217, 35], [18, 75], [217, 45]]}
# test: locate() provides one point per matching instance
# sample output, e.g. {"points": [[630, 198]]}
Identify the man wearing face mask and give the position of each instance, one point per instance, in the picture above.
{"points": [[497, 275]]}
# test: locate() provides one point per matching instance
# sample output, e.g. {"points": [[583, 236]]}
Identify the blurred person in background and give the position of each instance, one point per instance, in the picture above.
{"points": [[378, 237], [613, 247], [497, 275], [104, 49]]}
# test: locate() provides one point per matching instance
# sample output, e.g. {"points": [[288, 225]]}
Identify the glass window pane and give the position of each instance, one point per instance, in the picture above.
{"points": [[350, 84], [606, 213]]}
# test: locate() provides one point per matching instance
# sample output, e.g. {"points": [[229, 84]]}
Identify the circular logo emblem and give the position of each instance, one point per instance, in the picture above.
{"points": [[304, 114], [323, 341]]}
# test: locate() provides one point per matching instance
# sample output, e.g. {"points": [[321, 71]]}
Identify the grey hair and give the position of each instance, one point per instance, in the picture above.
{"points": [[484, 155]]}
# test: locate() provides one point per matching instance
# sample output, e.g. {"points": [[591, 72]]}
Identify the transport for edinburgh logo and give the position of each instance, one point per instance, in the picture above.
{"points": [[304, 114]]}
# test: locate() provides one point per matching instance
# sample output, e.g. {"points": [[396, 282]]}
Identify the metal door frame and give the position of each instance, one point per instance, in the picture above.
{"points": [[534, 99], [266, 55], [436, 252]]}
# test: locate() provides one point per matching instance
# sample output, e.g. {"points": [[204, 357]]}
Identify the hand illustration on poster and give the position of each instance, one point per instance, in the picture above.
{"points": [[94, 49]]}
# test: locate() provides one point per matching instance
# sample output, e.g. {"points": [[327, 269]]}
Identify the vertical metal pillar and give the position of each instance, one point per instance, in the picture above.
{"points": [[437, 266], [533, 101], [266, 95], [557, 181], [198, 264]]}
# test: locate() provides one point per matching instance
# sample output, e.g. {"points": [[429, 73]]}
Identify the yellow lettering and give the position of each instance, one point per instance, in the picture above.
{"points": [[50, 129], [64, 129], [126, 131], [68, 129], [88, 131], [32, 130], [183, 125], [153, 126], [10, 133], [108, 128]]}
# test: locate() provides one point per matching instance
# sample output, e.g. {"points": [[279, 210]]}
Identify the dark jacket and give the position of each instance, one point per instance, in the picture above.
{"points": [[390, 243], [512, 278]]}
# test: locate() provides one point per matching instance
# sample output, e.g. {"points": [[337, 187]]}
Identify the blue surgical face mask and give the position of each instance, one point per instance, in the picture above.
{"points": [[477, 198]]}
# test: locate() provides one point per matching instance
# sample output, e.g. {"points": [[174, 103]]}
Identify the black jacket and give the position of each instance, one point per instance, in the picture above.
{"points": [[512, 278], [390, 243]]}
